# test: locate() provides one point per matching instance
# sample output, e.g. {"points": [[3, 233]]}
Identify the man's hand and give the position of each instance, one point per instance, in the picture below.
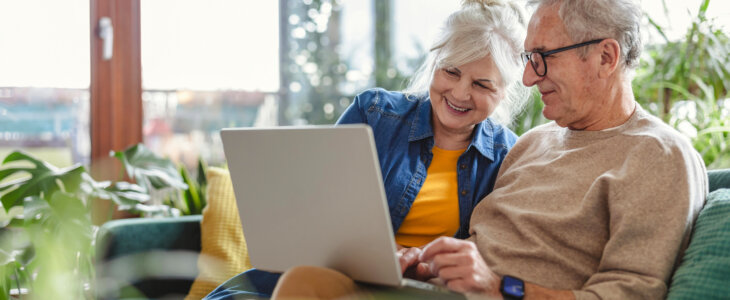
{"points": [[410, 266], [460, 265]]}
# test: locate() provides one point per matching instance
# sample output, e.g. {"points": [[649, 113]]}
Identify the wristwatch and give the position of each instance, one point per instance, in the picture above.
{"points": [[512, 288]]}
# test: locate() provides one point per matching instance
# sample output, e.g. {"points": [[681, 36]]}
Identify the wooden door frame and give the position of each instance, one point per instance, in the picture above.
{"points": [[116, 85]]}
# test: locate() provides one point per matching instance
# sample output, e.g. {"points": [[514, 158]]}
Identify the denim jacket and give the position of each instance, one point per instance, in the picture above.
{"points": [[404, 139]]}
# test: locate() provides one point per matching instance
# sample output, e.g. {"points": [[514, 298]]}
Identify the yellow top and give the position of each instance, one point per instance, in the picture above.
{"points": [[435, 211]]}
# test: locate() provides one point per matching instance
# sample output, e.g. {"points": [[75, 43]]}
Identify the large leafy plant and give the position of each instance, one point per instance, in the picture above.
{"points": [[46, 232], [45, 240]]}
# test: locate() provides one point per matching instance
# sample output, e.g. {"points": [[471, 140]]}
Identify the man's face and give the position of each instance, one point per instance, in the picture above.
{"points": [[566, 88]]}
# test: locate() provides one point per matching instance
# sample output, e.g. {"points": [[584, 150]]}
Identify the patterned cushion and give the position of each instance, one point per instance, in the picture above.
{"points": [[705, 269], [223, 251]]}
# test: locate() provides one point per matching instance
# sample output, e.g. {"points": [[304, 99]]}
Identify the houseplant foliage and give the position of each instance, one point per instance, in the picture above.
{"points": [[46, 233], [45, 241], [686, 83], [194, 196], [173, 191]]}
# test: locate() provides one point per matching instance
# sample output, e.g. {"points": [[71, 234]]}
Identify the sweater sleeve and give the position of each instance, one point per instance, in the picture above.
{"points": [[653, 201]]}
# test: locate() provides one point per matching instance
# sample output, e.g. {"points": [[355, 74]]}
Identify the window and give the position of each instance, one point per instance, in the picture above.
{"points": [[206, 65], [44, 83]]}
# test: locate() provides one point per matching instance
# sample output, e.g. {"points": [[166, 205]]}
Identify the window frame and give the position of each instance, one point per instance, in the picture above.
{"points": [[116, 115]]}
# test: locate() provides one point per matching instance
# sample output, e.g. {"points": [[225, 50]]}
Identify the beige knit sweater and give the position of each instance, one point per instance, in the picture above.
{"points": [[602, 213]]}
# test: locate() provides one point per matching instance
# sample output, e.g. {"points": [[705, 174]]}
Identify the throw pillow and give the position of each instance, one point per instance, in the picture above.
{"points": [[705, 269], [223, 250]]}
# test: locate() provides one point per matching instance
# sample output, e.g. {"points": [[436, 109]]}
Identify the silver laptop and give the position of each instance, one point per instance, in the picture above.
{"points": [[314, 196]]}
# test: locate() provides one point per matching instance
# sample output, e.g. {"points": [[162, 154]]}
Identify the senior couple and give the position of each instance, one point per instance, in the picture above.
{"points": [[598, 204]]}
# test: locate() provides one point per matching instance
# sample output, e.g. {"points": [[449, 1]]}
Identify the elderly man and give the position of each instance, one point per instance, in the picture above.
{"points": [[598, 204]]}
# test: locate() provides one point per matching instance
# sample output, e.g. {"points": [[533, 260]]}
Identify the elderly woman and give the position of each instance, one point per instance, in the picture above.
{"points": [[438, 149]]}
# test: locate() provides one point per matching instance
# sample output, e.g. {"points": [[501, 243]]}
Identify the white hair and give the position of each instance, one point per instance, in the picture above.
{"points": [[478, 29], [595, 19]]}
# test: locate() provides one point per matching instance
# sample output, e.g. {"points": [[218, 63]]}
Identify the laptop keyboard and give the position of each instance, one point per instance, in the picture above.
{"points": [[407, 282]]}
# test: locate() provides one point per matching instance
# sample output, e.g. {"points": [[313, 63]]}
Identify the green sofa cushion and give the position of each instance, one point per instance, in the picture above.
{"points": [[705, 269], [719, 179], [133, 254], [130, 236]]}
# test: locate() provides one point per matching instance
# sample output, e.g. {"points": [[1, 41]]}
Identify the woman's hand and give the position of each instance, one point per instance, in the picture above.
{"points": [[460, 265]]}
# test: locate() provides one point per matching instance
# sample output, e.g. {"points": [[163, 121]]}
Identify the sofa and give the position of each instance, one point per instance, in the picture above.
{"points": [[158, 258]]}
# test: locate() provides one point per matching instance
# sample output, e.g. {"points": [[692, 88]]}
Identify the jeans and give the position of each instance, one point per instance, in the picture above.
{"points": [[252, 284]]}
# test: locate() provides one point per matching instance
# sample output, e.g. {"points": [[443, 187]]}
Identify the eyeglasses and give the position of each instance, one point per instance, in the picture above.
{"points": [[537, 59]]}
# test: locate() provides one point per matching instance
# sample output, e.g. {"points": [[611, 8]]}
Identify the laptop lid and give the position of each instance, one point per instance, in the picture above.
{"points": [[313, 196]]}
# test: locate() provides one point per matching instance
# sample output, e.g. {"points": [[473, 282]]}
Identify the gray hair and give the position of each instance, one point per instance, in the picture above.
{"points": [[480, 28], [594, 19]]}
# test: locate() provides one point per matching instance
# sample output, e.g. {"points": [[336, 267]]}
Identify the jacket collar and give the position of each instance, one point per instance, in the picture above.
{"points": [[482, 139]]}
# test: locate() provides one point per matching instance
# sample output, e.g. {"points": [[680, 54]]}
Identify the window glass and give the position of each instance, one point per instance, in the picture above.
{"points": [[44, 83], [206, 65], [416, 24]]}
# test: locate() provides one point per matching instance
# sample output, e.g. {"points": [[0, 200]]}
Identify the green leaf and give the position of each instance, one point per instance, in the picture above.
{"points": [[4, 173], [152, 210], [6, 257], [67, 206], [73, 219], [703, 7], [12, 213], [44, 179], [23, 156], [658, 28], [125, 194], [202, 179], [190, 195], [36, 209], [146, 167], [712, 130], [16, 247]]}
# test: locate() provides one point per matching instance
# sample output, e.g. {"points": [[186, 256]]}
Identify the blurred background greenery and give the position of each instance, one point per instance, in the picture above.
{"points": [[685, 82]]}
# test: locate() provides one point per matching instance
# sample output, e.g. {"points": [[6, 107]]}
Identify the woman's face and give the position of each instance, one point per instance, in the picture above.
{"points": [[463, 96]]}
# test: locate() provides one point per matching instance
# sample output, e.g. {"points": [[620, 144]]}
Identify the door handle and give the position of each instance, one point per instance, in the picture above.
{"points": [[106, 33]]}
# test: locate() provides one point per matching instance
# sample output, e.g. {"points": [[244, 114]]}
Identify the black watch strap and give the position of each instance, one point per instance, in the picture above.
{"points": [[512, 288]]}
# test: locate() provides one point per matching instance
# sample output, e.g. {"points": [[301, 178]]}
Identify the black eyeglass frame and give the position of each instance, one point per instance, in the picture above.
{"points": [[527, 55]]}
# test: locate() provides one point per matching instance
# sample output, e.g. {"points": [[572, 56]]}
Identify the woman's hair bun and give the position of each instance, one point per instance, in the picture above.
{"points": [[484, 2]]}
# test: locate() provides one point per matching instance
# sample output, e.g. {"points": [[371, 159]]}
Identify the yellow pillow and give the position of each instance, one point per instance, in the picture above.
{"points": [[223, 250]]}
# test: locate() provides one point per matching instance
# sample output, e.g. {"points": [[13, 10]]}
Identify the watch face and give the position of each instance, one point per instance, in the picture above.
{"points": [[513, 286]]}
